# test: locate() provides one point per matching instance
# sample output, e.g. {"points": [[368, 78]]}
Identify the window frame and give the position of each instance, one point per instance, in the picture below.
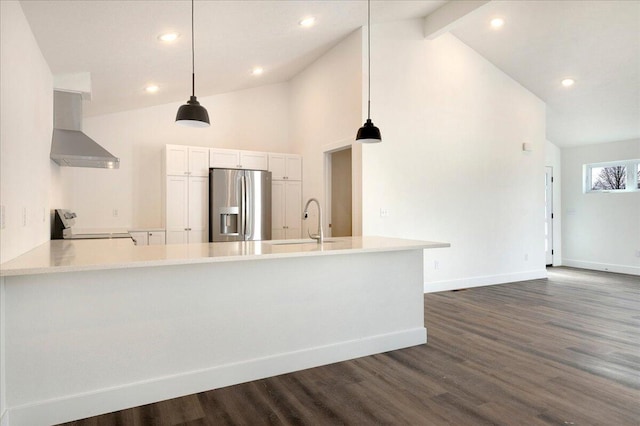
{"points": [[631, 166]]}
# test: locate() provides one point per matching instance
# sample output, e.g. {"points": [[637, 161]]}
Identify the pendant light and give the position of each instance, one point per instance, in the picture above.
{"points": [[369, 133], [192, 114]]}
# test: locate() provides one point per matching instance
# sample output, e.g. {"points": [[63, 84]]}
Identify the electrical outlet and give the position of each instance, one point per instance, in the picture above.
{"points": [[436, 264], [24, 216], [2, 217], [637, 253], [526, 257], [115, 212], [384, 212]]}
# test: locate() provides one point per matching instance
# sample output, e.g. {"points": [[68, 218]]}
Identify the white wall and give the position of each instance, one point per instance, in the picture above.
{"points": [[254, 119], [26, 113], [451, 166], [553, 158], [325, 114], [600, 230]]}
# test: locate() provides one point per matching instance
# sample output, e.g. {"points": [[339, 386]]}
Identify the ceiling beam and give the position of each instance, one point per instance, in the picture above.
{"points": [[450, 15]]}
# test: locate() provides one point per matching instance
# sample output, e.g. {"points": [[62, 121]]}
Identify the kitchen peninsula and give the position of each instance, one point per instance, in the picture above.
{"points": [[94, 326]]}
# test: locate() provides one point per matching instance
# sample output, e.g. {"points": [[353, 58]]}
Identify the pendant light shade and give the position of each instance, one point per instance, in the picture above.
{"points": [[192, 114], [369, 133]]}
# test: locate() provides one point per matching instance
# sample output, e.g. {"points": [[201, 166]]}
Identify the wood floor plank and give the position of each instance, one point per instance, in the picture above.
{"points": [[562, 350]]}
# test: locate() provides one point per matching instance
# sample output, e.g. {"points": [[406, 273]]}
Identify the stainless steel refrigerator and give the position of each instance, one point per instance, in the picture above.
{"points": [[239, 205]]}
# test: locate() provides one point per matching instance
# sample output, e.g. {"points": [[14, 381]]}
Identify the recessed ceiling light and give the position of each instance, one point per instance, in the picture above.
{"points": [[168, 37], [257, 71], [307, 22], [152, 88], [568, 82], [497, 23]]}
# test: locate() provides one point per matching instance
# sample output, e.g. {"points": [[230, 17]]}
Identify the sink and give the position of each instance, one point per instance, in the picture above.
{"points": [[305, 241]]}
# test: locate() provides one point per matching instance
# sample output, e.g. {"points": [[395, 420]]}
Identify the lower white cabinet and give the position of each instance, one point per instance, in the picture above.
{"points": [[144, 238], [286, 213], [186, 208]]}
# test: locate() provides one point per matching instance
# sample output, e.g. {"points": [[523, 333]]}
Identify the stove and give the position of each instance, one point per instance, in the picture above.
{"points": [[63, 222]]}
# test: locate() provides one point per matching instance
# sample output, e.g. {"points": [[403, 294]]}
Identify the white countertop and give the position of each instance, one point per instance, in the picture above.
{"points": [[94, 255]]}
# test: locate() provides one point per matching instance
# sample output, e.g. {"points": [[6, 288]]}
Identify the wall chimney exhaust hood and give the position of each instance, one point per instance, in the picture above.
{"points": [[69, 146]]}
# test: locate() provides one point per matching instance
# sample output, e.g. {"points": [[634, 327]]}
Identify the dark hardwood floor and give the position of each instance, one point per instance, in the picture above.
{"points": [[562, 351]]}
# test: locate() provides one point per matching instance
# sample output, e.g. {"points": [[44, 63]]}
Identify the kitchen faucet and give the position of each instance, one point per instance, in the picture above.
{"points": [[320, 235]]}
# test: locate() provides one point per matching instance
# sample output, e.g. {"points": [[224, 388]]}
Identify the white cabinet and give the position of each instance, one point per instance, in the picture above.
{"points": [[143, 238], [198, 208], [156, 238], [286, 172], [285, 166], [186, 195], [238, 159], [286, 218], [183, 160], [186, 206], [140, 238]]}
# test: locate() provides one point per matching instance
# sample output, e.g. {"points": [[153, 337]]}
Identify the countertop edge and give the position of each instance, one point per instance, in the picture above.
{"points": [[411, 245]]}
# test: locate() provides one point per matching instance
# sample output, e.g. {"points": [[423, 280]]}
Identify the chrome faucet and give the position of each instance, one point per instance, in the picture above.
{"points": [[320, 235]]}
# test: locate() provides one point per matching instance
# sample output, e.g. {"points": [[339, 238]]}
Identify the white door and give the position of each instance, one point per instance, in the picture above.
{"points": [[177, 213], [277, 210], [548, 214], [177, 160], [224, 158], [198, 209], [293, 209], [198, 161]]}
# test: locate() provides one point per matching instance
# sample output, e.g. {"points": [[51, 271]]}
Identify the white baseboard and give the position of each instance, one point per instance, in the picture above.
{"points": [[102, 401], [608, 267], [433, 287]]}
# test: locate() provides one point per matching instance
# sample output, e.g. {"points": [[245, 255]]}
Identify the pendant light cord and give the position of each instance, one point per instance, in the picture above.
{"points": [[193, 55], [369, 58]]}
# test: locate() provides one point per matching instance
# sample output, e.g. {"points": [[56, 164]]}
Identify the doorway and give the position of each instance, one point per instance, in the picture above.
{"points": [[548, 215], [340, 187]]}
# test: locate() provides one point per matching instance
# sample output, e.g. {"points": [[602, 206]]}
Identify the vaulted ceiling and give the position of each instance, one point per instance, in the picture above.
{"points": [[595, 42]]}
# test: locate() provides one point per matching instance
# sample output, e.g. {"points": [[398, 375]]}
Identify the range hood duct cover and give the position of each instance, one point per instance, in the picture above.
{"points": [[69, 146]]}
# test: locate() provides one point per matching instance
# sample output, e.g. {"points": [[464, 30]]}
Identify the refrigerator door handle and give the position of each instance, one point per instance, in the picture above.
{"points": [[243, 200], [248, 190]]}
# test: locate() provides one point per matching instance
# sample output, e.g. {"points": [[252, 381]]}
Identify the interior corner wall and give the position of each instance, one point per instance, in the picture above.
{"points": [[26, 114], [451, 166], [600, 231], [553, 158], [253, 119], [325, 104]]}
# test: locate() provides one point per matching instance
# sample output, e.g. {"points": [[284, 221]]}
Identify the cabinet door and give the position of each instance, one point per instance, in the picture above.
{"points": [[176, 237], [198, 209], [139, 238], [177, 160], [177, 219], [277, 210], [156, 238], [224, 158], [294, 167], [254, 160], [277, 166], [293, 209], [198, 161]]}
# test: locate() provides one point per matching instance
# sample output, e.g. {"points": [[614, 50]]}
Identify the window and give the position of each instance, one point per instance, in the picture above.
{"points": [[614, 176]]}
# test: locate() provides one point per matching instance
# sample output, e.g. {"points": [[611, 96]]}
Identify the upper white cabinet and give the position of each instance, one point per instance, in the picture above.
{"points": [[186, 160], [238, 159], [285, 166]]}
